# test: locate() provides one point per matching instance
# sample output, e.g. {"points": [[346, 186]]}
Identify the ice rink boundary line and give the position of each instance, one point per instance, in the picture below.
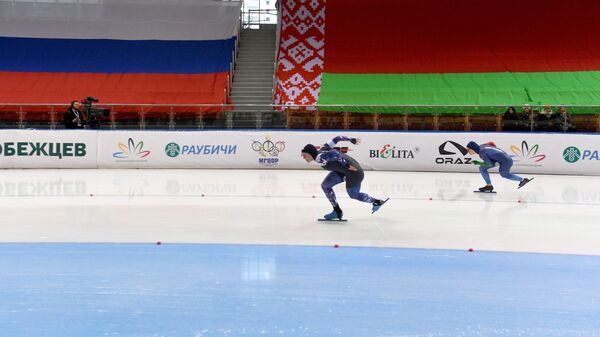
{"points": [[392, 197], [300, 245]]}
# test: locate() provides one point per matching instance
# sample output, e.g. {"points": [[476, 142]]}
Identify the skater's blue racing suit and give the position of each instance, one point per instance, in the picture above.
{"points": [[339, 164], [492, 155]]}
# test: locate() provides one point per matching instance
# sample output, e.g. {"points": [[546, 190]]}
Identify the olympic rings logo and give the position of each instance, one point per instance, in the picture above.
{"points": [[268, 147]]}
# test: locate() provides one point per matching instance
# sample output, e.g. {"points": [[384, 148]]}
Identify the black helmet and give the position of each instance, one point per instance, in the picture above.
{"points": [[310, 149]]}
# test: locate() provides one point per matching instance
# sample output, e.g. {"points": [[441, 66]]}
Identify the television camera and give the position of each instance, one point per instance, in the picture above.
{"points": [[93, 113]]}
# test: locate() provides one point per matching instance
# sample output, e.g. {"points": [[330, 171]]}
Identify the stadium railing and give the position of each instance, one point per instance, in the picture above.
{"points": [[250, 116]]}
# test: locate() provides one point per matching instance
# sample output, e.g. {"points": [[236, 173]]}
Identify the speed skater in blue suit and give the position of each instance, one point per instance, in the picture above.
{"points": [[342, 167], [491, 155]]}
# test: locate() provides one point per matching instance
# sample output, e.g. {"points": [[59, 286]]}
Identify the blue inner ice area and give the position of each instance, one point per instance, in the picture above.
{"points": [[75, 290]]}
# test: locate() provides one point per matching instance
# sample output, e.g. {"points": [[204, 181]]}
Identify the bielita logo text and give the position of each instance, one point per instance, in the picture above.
{"points": [[393, 152]]}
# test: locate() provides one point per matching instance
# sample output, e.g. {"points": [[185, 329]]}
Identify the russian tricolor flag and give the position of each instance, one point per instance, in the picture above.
{"points": [[159, 52]]}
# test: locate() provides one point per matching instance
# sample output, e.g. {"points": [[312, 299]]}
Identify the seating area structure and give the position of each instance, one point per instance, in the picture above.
{"points": [[122, 116], [489, 122], [165, 117]]}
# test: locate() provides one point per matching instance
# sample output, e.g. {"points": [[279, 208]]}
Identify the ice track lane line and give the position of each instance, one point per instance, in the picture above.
{"points": [[341, 197]]}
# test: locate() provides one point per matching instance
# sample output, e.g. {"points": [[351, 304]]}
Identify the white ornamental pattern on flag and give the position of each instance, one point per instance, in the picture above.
{"points": [[301, 53]]}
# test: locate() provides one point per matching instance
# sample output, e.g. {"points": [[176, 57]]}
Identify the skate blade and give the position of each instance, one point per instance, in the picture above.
{"points": [[383, 202], [484, 192], [526, 183], [333, 220]]}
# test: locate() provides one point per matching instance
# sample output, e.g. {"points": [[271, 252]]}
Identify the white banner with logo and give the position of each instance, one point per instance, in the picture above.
{"points": [[396, 151], [47, 149], [178, 149], [393, 151], [446, 152]]}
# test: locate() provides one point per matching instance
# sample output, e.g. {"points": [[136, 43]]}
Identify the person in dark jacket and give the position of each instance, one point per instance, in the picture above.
{"points": [[565, 120], [511, 120], [73, 118], [548, 121]]}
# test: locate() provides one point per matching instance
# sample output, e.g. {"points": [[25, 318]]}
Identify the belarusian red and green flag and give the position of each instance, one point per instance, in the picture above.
{"points": [[467, 52]]}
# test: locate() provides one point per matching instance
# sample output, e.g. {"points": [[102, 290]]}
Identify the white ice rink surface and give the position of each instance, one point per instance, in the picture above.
{"points": [[552, 214]]}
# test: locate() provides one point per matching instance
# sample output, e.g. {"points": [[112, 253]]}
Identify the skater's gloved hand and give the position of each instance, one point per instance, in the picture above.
{"points": [[480, 163], [355, 141]]}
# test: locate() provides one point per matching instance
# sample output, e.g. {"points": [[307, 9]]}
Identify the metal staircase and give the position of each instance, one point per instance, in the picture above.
{"points": [[252, 86]]}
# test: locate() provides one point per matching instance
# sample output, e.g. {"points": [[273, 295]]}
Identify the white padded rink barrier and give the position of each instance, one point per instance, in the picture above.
{"points": [[571, 154]]}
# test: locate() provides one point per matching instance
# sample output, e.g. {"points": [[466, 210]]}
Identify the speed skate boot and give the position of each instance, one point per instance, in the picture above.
{"points": [[523, 182], [486, 188], [377, 204], [335, 214]]}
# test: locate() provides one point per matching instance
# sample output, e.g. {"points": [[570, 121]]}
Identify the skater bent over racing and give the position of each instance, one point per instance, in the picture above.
{"points": [[491, 155], [342, 167]]}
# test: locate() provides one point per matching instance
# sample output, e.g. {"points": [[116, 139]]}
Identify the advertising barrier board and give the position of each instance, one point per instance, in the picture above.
{"points": [[532, 153]]}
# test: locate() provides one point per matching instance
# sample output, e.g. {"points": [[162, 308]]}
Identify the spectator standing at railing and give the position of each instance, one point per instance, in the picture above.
{"points": [[528, 116], [73, 118], [547, 121], [565, 119], [511, 120]]}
